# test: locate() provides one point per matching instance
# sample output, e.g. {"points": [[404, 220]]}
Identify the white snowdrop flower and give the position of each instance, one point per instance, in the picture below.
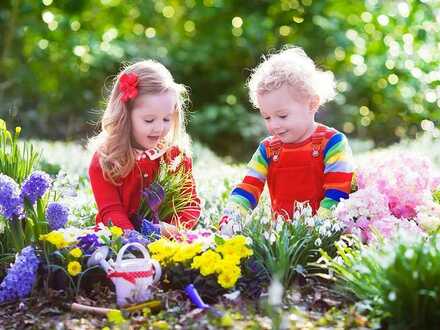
{"points": [[270, 236], [279, 226]]}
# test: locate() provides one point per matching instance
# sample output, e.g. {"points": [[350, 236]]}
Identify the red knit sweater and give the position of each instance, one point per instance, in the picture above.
{"points": [[119, 203]]}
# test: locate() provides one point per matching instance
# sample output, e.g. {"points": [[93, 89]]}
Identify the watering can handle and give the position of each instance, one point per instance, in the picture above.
{"points": [[126, 246], [157, 270]]}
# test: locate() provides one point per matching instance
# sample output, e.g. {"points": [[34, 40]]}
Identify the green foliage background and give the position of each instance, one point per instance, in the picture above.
{"points": [[58, 57]]}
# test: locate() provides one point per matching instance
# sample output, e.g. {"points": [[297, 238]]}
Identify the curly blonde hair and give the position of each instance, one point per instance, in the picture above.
{"points": [[291, 66], [114, 143]]}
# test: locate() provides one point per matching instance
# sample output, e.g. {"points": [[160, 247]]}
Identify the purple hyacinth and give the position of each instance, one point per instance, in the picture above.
{"points": [[35, 186], [11, 204], [56, 215], [88, 243], [20, 277]]}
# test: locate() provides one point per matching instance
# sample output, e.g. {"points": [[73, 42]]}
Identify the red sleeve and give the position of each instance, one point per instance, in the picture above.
{"points": [[107, 198], [188, 217]]}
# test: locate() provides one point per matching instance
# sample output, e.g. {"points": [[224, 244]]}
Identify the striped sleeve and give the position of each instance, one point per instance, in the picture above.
{"points": [[246, 194], [338, 170]]}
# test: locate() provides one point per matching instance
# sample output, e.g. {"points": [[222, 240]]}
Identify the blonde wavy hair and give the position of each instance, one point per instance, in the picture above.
{"points": [[291, 66], [114, 143]]}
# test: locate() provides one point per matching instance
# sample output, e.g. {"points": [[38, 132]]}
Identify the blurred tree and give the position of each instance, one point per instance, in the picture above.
{"points": [[56, 57]]}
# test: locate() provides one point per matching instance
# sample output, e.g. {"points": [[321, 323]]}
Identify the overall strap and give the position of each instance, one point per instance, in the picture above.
{"points": [[273, 149], [319, 138]]}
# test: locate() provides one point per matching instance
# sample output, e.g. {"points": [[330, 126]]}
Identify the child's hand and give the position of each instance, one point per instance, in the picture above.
{"points": [[168, 230]]}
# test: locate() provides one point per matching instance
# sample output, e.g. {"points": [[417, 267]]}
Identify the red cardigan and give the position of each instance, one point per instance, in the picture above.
{"points": [[119, 203]]}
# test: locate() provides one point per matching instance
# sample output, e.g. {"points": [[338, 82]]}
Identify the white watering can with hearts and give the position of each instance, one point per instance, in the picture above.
{"points": [[132, 277]]}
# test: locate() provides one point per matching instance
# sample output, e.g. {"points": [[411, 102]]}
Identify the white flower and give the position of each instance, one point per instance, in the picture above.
{"points": [[270, 236]]}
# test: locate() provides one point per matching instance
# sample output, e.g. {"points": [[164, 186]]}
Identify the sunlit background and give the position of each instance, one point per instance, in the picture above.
{"points": [[58, 58]]}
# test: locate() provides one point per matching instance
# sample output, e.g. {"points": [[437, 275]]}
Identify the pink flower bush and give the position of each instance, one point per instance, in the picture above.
{"points": [[402, 178], [392, 189]]}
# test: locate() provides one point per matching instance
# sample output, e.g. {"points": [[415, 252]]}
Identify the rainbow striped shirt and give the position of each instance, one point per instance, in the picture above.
{"points": [[338, 170]]}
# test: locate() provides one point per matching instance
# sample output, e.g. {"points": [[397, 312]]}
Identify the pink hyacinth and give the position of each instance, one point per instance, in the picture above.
{"points": [[402, 178]]}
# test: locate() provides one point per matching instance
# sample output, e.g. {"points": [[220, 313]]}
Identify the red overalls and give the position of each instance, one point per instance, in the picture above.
{"points": [[296, 171]]}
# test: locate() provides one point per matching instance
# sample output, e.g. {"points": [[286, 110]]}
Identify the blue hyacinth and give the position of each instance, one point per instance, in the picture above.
{"points": [[35, 186], [11, 203], [88, 243], [133, 236], [57, 215], [150, 230], [20, 277]]}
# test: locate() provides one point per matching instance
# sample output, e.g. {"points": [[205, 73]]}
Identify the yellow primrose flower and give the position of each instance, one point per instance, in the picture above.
{"points": [[74, 268], [17, 130], [237, 240], [226, 249], [207, 262], [115, 316], [227, 321], [116, 231], [227, 279], [186, 251], [55, 238], [162, 249], [227, 263], [76, 252], [206, 257], [244, 252]]}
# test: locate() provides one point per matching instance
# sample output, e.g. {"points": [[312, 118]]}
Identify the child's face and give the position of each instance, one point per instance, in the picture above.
{"points": [[151, 118], [288, 116]]}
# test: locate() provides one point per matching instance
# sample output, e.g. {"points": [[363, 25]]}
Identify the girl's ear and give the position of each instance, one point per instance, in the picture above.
{"points": [[314, 104]]}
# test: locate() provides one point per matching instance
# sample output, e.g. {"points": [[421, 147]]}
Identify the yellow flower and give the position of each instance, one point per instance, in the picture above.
{"points": [[116, 231], [76, 252], [74, 268], [162, 249], [227, 321], [207, 262], [226, 249], [115, 316], [237, 240], [235, 247], [227, 279], [186, 251], [55, 238], [227, 263], [17, 130]]}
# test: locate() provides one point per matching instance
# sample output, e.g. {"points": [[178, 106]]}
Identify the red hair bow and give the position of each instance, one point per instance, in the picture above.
{"points": [[128, 86]]}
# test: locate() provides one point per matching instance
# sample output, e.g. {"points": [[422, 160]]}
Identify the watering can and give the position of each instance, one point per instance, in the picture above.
{"points": [[132, 277]]}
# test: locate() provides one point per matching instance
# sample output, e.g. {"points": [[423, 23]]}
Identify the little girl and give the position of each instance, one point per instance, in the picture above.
{"points": [[302, 160], [143, 123]]}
